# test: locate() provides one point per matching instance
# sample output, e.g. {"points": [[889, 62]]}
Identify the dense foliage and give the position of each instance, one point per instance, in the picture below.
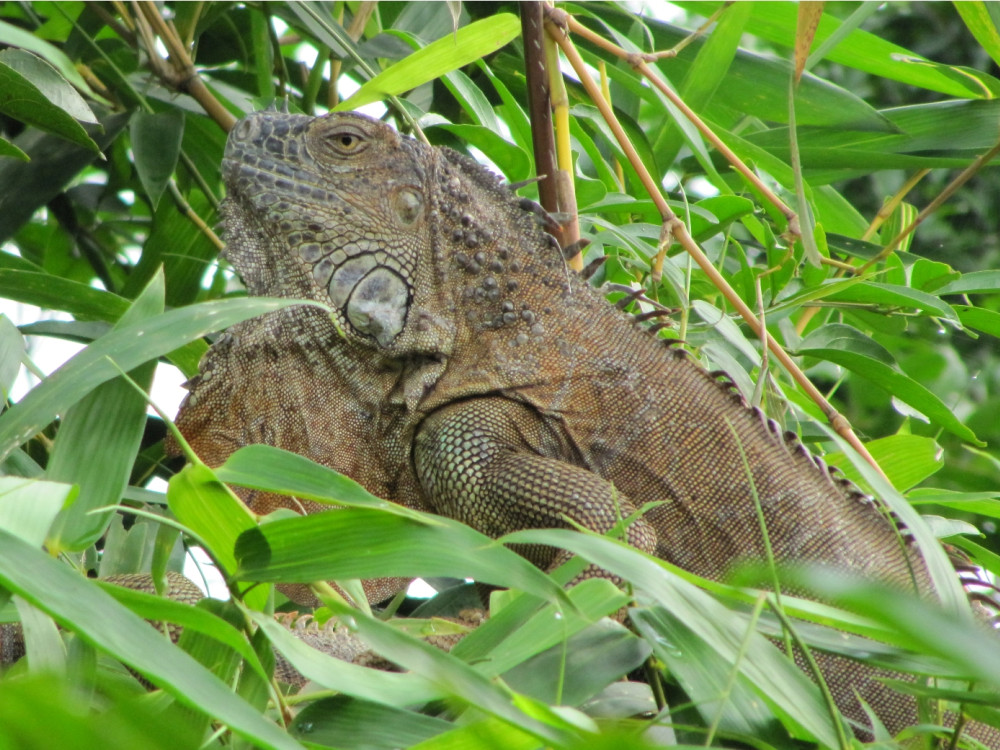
{"points": [[112, 125]]}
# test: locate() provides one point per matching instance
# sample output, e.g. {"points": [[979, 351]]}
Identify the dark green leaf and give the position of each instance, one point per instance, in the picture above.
{"points": [[156, 143], [22, 100]]}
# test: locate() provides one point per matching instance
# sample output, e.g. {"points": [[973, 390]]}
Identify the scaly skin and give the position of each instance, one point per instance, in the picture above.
{"points": [[468, 373]]}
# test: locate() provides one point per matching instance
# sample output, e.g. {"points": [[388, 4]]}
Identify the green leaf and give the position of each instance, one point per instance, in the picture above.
{"points": [[212, 512], [270, 469], [972, 649], [486, 733], [344, 722], [82, 607], [580, 666], [448, 53], [861, 50], [53, 292], [22, 100], [975, 282], [46, 79], [55, 161], [162, 609], [380, 544], [980, 319], [112, 416], [523, 629], [705, 676], [981, 20], [11, 355], [156, 143], [28, 506], [510, 158], [18, 37], [706, 73], [892, 295], [9, 149], [70, 721], [906, 459], [774, 677], [850, 348], [122, 349], [384, 688], [465, 683]]}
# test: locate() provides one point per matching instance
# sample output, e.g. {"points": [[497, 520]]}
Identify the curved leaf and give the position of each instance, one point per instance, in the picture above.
{"points": [[860, 354], [448, 53]]}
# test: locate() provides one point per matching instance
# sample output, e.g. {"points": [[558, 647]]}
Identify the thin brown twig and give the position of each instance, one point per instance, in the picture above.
{"points": [[182, 76], [539, 111], [354, 31], [565, 185], [185, 208], [680, 233], [890, 205], [640, 63], [935, 204]]}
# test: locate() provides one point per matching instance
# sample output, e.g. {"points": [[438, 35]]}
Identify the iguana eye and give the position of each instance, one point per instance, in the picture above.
{"points": [[346, 142]]}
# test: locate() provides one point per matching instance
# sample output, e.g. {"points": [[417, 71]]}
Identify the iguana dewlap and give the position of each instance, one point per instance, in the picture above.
{"points": [[467, 372]]}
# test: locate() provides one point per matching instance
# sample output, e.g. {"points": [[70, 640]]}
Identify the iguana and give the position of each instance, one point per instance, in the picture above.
{"points": [[465, 371]]}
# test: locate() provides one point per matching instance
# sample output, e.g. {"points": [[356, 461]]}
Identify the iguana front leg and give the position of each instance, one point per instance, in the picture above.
{"points": [[494, 464]]}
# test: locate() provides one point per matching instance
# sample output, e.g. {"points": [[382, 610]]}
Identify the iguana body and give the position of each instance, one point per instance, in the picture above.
{"points": [[468, 373]]}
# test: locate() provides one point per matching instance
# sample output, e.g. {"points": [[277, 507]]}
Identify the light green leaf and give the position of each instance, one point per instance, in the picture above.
{"points": [[976, 282], [861, 50], [448, 53], [893, 295], [705, 676], [906, 459], [162, 609], [112, 416], [979, 319], [212, 512], [465, 683], [28, 506], [775, 678], [510, 158], [11, 355], [385, 688], [850, 348], [53, 292], [122, 349], [82, 607], [981, 19], [379, 544], [269, 469]]}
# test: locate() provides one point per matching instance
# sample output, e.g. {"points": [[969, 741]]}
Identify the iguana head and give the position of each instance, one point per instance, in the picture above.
{"points": [[329, 208], [406, 242]]}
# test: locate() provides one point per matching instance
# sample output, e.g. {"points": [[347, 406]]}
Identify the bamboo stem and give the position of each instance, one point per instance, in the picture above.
{"points": [[676, 227]]}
